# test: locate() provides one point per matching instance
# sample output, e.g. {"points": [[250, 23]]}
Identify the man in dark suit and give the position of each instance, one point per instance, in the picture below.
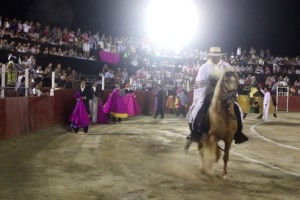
{"points": [[160, 102]]}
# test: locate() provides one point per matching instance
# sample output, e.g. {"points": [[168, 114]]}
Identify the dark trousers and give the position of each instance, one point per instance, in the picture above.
{"points": [[181, 110], [159, 110]]}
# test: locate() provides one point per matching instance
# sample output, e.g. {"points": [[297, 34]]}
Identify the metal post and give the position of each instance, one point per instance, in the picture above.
{"points": [[52, 84], [103, 82], [3, 80], [277, 98], [287, 99], [26, 82]]}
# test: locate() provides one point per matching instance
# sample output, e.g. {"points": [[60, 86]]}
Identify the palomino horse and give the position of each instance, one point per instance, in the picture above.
{"points": [[223, 122]]}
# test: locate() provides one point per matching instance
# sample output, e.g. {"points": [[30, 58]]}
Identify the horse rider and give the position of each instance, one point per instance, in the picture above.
{"points": [[206, 79]]}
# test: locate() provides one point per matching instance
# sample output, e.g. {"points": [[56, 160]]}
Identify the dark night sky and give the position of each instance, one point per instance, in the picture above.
{"points": [[264, 24]]}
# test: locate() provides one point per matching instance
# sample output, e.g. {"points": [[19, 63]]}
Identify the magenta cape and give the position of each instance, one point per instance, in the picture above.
{"points": [[79, 117], [115, 105], [101, 116], [133, 107], [109, 57]]}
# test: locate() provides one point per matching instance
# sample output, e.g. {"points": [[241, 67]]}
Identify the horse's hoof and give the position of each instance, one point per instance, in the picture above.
{"points": [[225, 176], [202, 170]]}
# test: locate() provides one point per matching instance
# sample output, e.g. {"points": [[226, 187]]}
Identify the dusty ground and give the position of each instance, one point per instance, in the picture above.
{"points": [[143, 158]]}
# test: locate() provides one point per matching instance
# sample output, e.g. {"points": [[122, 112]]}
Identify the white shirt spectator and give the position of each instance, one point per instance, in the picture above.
{"points": [[36, 92], [109, 74], [26, 27], [101, 44], [86, 46], [239, 51]]}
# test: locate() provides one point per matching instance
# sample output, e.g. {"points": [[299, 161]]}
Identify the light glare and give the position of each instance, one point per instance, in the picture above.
{"points": [[172, 23]]}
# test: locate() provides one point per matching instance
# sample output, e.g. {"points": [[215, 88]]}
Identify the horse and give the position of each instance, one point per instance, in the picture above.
{"points": [[222, 120]]}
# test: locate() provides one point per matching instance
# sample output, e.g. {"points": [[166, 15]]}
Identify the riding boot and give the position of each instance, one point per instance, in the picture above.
{"points": [[196, 133], [189, 140], [239, 136], [275, 115], [245, 115]]}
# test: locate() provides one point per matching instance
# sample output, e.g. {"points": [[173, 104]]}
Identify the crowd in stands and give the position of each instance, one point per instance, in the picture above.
{"points": [[150, 64]]}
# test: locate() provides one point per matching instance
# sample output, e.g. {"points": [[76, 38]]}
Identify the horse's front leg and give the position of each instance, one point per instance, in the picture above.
{"points": [[200, 150], [226, 158]]}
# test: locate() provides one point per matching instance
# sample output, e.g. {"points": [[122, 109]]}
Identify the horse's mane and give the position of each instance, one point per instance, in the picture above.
{"points": [[218, 88]]}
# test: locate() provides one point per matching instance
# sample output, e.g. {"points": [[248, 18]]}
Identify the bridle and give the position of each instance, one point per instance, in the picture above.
{"points": [[228, 97]]}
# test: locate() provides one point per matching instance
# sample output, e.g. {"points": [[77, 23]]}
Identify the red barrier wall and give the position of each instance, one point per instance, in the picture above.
{"points": [[293, 105], [146, 102], [64, 104], [16, 116], [19, 115], [41, 112], [2, 119]]}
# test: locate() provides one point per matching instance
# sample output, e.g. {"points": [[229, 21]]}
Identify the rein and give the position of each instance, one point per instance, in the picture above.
{"points": [[228, 97]]}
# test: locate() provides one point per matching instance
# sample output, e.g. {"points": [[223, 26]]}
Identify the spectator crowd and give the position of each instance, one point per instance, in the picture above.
{"points": [[142, 63]]}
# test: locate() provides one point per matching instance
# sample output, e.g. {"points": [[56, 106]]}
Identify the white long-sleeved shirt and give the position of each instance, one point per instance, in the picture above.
{"points": [[267, 97]]}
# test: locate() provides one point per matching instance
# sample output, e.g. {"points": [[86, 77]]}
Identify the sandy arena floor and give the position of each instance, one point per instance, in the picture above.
{"points": [[143, 158]]}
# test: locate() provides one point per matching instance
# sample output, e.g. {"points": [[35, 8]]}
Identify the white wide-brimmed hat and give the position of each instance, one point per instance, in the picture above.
{"points": [[215, 51]]}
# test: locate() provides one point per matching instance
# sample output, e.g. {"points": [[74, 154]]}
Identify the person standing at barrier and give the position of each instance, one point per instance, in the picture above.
{"points": [[21, 88], [266, 104], [170, 102], [93, 102], [160, 102], [182, 102], [84, 92], [37, 90], [115, 106], [79, 117]]}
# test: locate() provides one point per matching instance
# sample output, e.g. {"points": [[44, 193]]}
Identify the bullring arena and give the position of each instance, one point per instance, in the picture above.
{"points": [[143, 158]]}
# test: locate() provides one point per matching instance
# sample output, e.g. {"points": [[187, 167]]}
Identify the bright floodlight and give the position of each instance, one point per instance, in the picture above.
{"points": [[172, 23]]}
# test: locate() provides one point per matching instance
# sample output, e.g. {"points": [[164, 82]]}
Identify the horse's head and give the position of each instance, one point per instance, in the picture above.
{"points": [[229, 86]]}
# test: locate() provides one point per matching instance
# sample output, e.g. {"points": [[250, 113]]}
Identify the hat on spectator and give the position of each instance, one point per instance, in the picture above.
{"points": [[215, 51]]}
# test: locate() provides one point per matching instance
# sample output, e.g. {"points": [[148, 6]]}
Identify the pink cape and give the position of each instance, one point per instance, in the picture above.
{"points": [[133, 107], [79, 118], [115, 105], [101, 116]]}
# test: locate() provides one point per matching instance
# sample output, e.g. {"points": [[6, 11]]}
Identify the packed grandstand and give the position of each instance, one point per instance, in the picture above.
{"points": [[124, 59]]}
